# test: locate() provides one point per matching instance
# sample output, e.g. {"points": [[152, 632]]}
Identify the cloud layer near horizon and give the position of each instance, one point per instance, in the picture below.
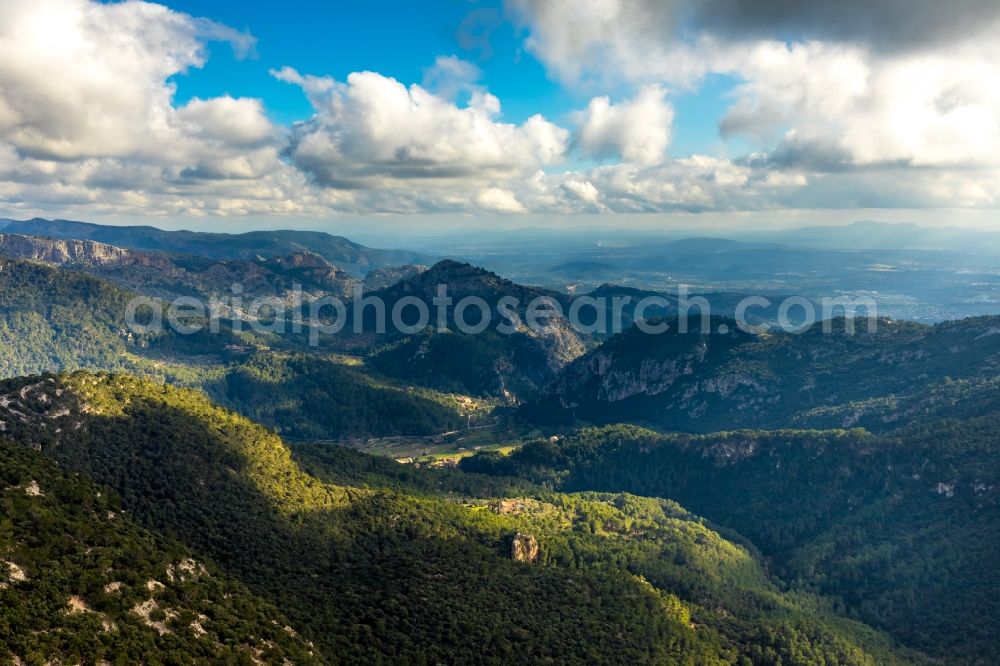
{"points": [[856, 113]]}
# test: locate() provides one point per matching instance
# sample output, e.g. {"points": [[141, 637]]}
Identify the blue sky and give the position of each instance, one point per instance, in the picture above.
{"points": [[397, 39], [611, 111], [402, 40]]}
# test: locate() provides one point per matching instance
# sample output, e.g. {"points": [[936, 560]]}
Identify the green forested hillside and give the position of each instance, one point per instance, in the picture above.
{"points": [[80, 582], [377, 574], [901, 528], [53, 320], [948, 398], [488, 364], [317, 398]]}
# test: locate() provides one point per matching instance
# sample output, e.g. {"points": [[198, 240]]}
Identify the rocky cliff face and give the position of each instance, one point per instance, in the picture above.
{"points": [[637, 365], [824, 379], [81, 252], [617, 381], [380, 278], [524, 548], [314, 272]]}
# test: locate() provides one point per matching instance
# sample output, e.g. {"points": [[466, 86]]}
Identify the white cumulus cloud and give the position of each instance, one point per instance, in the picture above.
{"points": [[87, 115], [637, 130], [898, 93], [372, 132], [498, 200]]}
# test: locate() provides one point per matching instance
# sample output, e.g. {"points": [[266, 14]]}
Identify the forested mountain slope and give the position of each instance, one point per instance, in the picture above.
{"points": [[902, 527], [377, 574], [52, 319], [80, 582], [311, 397]]}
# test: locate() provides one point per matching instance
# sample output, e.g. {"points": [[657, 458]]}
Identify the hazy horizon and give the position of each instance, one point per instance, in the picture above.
{"points": [[403, 227]]}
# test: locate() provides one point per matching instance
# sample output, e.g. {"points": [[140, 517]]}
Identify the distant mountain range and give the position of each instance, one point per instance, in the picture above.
{"points": [[356, 259], [166, 275], [860, 235], [868, 235], [919, 273]]}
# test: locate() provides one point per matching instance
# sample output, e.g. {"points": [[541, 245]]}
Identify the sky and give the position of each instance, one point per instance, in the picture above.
{"points": [[704, 113]]}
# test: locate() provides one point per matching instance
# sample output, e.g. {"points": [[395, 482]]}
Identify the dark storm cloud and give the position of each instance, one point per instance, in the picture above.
{"points": [[883, 24]]}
